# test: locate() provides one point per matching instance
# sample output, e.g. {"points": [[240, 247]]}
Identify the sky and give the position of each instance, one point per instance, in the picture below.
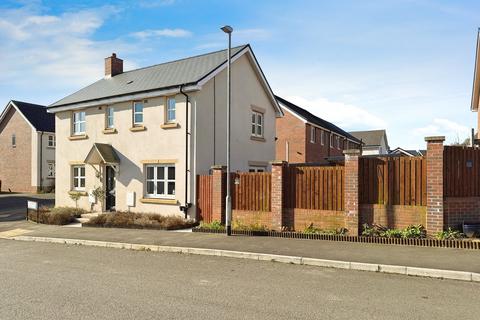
{"points": [[401, 65]]}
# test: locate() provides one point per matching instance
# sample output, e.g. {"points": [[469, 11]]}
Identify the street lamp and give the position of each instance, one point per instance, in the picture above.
{"points": [[228, 201]]}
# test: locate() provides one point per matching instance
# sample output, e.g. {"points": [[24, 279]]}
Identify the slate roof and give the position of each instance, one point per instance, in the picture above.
{"points": [[309, 117], [371, 137], [165, 75], [37, 115]]}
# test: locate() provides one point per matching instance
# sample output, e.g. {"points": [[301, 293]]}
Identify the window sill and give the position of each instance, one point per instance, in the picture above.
{"points": [[158, 201], [52, 178], [78, 137], [49, 147], [138, 128], [261, 139], [110, 131], [169, 125], [82, 193]]}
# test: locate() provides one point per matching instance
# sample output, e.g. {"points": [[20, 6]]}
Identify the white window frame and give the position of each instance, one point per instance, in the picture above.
{"points": [[77, 121], [51, 143], [135, 123], [322, 137], [168, 119], [14, 141], [255, 125], [338, 142], [257, 169], [51, 169], [110, 117], [166, 180], [77, 178], [331, 140], [313, 135]]}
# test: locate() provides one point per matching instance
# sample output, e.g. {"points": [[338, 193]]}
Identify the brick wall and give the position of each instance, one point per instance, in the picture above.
{"points": [[16, 163], [290, 128], [435, 217], [351, 192], [392, 216], [218, 194], [458, 210], [299, 219], [264, 218]]}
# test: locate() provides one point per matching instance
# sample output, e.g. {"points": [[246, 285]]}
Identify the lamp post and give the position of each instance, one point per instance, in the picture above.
{"points": [[228, 200]]}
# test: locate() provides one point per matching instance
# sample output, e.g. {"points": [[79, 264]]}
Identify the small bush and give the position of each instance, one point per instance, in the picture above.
{"points": [[412, 231], [140, 221], [449, 234], [311, 229], [214, 225], [240, 226], [55, 216], [392, 233]]}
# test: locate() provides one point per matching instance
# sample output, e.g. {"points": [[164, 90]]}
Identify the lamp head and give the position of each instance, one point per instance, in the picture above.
{"points": [[227, 29]]}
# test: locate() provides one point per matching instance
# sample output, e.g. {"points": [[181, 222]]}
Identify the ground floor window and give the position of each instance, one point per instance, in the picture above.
{"points": [[78, 177], [160, 181], [51, 170], [256, 169]]}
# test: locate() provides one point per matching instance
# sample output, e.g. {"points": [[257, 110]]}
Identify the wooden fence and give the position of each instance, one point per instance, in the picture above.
{"points": [[461, 171], [204, 197], [318, 188], [393, 180], [252, 192]]}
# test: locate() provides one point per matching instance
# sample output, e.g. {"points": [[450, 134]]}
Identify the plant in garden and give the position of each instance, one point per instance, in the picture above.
{"points": [[99, 194], [75, 196], [414, 231], [214, 225], [311, 229], [238, 225], [449, 234], [392, 233], [372, 230]]}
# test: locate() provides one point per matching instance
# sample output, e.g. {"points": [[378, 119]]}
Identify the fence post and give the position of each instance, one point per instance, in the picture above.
{"points": [[277, 207], [218, 192], [434, 184], [351, 191]]}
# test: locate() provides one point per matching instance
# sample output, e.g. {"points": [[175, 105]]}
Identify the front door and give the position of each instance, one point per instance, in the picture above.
{"points": [[110, 189]]}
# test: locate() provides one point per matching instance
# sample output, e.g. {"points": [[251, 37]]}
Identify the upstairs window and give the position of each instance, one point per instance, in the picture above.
{"points": [[313, 137], [331, 140], [256, 169], [338, 142], [51, 170], [79, 122], [138, 113], [322, 137], [160, 181], [109, 118], [257, 124], [14, 141], [51, 141], [171, 110]]}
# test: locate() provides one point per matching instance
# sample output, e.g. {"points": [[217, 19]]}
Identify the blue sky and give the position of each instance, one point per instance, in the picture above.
{"points": [[406, 66]]}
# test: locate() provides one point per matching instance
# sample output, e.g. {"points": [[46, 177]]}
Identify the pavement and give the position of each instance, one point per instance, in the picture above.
{"points": [[49, 281]]}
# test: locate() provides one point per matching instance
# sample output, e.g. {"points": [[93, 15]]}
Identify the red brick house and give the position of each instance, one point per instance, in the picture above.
{"points": [[303, 137]]}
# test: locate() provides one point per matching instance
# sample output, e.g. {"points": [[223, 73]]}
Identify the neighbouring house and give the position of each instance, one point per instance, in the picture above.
{"points": [[305, 138], [375, 142], [408, 153], [27, 148], [143, 136], [476, 85]]}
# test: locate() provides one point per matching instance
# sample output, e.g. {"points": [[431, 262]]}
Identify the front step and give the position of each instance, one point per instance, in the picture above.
{"points": [[85, 217]]}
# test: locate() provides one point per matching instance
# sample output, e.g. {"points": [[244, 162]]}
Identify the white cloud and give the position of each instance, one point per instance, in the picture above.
{"points": [[170, 33], [346, 116], [453, 131]]}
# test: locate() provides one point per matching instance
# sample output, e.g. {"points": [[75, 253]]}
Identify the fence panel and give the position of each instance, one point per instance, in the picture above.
{"points": [[461, 171], [251, 191], [204, 197], [316, 188], [393, 180]]}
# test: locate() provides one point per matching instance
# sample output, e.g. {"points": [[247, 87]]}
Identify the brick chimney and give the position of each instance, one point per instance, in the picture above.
{"points": [[113, 66]]}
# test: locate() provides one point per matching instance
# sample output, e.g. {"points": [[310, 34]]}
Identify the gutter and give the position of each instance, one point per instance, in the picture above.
{"points": [[187, 204]]}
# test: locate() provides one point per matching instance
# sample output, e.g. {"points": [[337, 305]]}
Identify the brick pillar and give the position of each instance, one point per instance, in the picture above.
{"points": [[351, 191], [434, 184], [218, 193], [277, 194]]}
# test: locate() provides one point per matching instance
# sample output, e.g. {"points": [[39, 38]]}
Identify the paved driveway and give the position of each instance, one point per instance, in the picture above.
{"points": [[13, 206]]}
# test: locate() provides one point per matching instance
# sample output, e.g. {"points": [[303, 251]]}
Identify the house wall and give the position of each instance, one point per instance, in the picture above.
{"points": [[16, 163], [316, 152], [292, 130], [155, 143], [247, 93], [48, 155]]}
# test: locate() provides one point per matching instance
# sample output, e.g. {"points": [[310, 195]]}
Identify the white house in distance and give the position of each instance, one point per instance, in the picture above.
{"points": [[27, 148], [144, 135], [374, 141]]}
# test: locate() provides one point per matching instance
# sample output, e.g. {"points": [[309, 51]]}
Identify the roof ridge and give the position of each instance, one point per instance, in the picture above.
{"points": [[29, 103]]}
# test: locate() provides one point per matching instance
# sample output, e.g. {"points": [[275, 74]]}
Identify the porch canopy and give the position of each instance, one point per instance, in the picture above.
{"points": [[102, 153]]}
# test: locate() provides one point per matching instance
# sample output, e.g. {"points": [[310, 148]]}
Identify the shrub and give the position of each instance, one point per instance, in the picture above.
{"points": [[449, 234], [240, 226], [140, 221], [311, 229], [414, 231], [55, 216], [392, 233], [372, 231], [214, 225]]}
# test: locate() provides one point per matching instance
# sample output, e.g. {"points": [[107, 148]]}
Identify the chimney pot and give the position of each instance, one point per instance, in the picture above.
{"points": [[113, 66]]}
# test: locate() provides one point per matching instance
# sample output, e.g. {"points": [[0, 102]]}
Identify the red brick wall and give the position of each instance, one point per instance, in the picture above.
{"points": [[264, 218], [290, 128], [351, 193], [392, 216], [434, 184], [16, 163], [458, 210], [218, 194], [299, 219]]}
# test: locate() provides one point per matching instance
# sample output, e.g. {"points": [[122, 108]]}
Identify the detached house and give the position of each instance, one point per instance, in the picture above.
{"points": [[374, 142], [27, 148], [144, 135], [304, 137]]}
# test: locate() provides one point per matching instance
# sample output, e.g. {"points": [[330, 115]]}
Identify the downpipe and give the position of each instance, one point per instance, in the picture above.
{"points": [[187, 204]]}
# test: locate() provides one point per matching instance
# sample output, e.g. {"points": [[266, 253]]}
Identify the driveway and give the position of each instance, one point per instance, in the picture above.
{"points": [[13, 205]]}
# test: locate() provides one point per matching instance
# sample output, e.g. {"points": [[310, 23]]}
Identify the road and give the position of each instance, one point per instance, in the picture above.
{"points": [[54, 281], [13, 206]]}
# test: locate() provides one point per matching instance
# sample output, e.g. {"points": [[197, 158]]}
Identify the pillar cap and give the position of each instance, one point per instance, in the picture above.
{"points": [[278, 162], [218, 167], [352, 152], [435, 139]]}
